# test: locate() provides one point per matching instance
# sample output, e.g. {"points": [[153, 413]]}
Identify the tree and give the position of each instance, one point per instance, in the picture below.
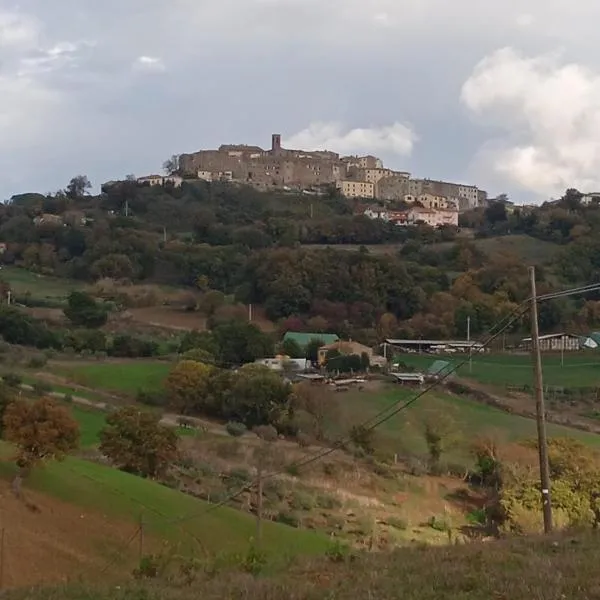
{"points": [[84, 311], [136, 442], [240, 343], [41, 430], [6, 399], [318, 403], [78, 186], [258, 397], [292, 348], [440, 432], [171, 165], [312, 350], [187, 386]]}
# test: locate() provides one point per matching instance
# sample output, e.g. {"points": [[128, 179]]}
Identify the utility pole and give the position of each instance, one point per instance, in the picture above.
{"points": [[469, 340], [249, 312], [141, 540], [2, 559], [540, 410], [126, 208], [165, 235], [259, 497]]}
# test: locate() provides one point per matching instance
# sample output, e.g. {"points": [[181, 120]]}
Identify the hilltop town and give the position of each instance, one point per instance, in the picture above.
{"points": [[433, 202]]}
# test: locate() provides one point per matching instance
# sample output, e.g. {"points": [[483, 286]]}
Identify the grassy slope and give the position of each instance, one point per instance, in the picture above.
{"points": [[126, 377], [579, 370], [125, 497], [519, 569], [405, 430], [39, 286]]}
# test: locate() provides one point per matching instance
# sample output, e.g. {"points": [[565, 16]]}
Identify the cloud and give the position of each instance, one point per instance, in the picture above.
{"points": [[396, 139], [18, 30], [149, 64], [547, 112]]}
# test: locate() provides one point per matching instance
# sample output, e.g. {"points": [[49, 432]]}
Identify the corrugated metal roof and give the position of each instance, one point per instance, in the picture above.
{"points": [[303, 339]]}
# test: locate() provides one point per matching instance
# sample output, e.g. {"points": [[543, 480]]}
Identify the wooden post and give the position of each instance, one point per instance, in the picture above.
{"points": [[141, 540], [2, 536], [540, 409], [259, 500]]}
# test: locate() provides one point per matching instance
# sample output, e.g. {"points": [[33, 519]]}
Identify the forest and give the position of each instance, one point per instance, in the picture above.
{"points": [[311, 262]]}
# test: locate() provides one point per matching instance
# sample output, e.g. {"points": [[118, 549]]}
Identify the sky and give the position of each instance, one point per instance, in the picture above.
{"points": [[503, 95]]}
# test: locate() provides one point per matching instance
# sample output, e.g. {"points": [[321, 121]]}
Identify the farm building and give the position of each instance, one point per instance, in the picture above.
{"points": [[281, 363], [304, 339], [344, 347], [409, 378], [435, 345], [556, 342]]}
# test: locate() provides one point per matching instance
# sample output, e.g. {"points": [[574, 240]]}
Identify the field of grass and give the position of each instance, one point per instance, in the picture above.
{"points": [[551, 568], [579, 370], [123, 496], [404, 431], [25, 282], [127, 377], [530, 249]]}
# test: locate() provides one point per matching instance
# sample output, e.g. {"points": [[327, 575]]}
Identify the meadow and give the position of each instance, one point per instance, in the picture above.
{"points": [[50, 290], [581, 369], [124, 376], [403, 433]]}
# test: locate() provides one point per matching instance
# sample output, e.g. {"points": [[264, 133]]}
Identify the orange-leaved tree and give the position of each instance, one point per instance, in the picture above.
{"points": [[41, 430], [136, 442], [188, 386]]}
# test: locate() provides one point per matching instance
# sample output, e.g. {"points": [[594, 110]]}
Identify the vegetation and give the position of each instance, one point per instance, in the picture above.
{"points": [[136, 442]]}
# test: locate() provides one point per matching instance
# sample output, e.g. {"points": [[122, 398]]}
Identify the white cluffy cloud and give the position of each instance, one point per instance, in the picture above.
{"points": [[150, 64], [396, 139], [549, 112]]}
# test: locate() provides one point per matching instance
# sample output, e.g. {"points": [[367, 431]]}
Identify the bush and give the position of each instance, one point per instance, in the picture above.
{"points": [[37, 362], [12, 379], [338, 552], [288, 518], [417, 467], [41, 388], [235, 429], [398, 523], [293, 470], [151, 398], [439, 523], [68, 398], [302, 501], [328, 502], [303, 440]]}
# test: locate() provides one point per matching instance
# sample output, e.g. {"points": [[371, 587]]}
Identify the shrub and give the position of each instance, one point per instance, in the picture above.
{"points": [[37, 362], [399, 523], [254, 561], [151, 398], [302, 501], [12, 379], [235, 429], [338, 552], [288, 518], [330, 469], [68, 398], [439, 523], [303, 440], [293, 470], [328, 502], [41, 388], [417, 467]]}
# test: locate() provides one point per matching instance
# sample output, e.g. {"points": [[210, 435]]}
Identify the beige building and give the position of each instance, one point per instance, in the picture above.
{"points": [[343, 347], [356, 189], [433, 218], [152, 180]]}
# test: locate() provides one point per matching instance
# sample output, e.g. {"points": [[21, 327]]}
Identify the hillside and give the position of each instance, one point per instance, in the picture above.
{"points": [[81, 518], [553, 569]]}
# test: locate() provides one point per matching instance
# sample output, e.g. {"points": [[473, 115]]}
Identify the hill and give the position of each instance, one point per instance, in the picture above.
{"points": [[554, 568], [81, 518]]}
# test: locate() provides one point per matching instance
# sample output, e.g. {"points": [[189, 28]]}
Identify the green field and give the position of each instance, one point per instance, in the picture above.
{"points": [[579, 370], [127, 377], [24, 282], [404, 431], [125, 496]]}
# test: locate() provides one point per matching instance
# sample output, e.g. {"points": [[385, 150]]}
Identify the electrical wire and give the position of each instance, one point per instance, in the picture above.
{"points": [[380, 418]]}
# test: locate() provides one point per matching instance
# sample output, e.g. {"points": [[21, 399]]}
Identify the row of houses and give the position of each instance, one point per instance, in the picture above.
{"points": [[434, 217]]}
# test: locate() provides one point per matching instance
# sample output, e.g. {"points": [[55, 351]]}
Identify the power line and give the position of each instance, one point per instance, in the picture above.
{"points": [[380, 418]]}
